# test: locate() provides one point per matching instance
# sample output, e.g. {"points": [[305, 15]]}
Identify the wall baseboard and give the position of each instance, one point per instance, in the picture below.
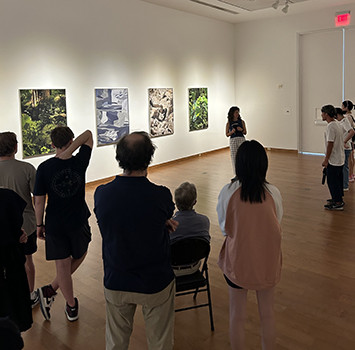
{"points": [[284, 150], [157, 166], [175, 161]]}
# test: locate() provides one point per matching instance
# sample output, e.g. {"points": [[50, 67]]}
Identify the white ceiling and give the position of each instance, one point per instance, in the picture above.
{"points": [[235, 11]]}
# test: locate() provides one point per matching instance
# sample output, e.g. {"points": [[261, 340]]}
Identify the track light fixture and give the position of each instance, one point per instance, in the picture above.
{"points": [[285, 9], [276, 4]]}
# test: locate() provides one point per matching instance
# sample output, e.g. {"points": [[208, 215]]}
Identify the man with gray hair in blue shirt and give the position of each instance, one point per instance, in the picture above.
{"points": [[191, 224]]}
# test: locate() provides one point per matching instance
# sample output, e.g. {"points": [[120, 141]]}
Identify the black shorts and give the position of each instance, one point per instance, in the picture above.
{"points": [[30, 247], [72, 243], [231, 284]]}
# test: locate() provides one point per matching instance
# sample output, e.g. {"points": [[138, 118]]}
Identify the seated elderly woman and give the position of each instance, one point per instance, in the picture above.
{"points": [[191, 224]]}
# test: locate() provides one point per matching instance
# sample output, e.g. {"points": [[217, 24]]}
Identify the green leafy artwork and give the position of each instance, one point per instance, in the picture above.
{"points": [[41, 111], [198, 108]]}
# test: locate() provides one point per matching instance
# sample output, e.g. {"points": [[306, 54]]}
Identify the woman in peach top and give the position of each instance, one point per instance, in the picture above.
{"points": [[249, 213]]}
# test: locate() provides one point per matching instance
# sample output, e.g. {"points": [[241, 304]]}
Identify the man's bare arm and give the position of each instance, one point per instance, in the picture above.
{"points": [[83, 139], [40, 202]]}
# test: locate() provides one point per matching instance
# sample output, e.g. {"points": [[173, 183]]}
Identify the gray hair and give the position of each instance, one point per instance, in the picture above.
{"points": [[185, 196]]}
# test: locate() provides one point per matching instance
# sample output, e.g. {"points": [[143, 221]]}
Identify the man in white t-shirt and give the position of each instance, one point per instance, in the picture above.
{"points": [[334, 158]]}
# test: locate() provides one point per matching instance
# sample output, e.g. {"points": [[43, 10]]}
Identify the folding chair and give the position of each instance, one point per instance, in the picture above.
{"points": [[187, 252]]}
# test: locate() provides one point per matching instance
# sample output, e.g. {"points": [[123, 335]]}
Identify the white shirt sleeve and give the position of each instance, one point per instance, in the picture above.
{"points": [[223, 201], [276, 196], [227, 192], [346, 125], [331, 132]]}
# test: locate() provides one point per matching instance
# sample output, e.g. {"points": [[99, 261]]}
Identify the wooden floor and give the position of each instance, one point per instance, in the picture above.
{"points": [[314, 302]]}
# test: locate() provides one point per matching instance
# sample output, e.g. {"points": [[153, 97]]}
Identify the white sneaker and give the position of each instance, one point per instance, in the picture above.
{"points": [[34, 298]]}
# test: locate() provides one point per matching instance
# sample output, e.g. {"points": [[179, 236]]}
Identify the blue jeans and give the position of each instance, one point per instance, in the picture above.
{"points": [[346, 169]]}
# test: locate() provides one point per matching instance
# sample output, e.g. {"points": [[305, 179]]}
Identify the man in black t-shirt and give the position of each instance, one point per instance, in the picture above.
{"points": [[61, 180]]}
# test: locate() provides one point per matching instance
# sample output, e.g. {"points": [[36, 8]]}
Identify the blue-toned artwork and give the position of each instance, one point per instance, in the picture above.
{"points": [[112, 118]]}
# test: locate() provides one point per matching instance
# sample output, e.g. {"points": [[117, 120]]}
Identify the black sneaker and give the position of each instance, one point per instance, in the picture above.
{"points": [[330, 201], [46, 299], [35, 300], [72, 313], [333, 206]]}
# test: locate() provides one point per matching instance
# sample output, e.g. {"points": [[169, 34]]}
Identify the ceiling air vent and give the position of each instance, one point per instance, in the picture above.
{"points": [[214, 6], [255, 5]]}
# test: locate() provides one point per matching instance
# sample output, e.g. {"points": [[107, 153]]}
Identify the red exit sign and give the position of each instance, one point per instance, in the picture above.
{"points": [[342, 19]]}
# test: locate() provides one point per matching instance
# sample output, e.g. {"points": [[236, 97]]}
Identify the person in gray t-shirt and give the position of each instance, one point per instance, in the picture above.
{"points": [[20, 177]]}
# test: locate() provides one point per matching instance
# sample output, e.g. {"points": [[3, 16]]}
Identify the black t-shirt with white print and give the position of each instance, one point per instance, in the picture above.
{"points": [[63, 181]]}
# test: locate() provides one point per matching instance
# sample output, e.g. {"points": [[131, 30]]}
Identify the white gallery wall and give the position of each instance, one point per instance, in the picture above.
{"points": [[86, 44], [267, 74]]}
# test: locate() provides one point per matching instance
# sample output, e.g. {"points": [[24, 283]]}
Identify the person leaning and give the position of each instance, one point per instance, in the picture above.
{"points": [[134, 216], [66, 230]]}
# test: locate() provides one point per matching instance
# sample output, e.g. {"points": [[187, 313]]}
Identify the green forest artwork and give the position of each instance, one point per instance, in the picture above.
{"points": [[41, 111], [198, 108]]}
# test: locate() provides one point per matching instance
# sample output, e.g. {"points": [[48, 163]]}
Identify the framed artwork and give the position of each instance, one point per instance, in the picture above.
{"points": [[198, 109], [112, 117], [161, 111], [41, 112]]}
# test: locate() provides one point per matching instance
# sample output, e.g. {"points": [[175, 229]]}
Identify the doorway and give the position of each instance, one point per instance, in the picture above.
{"points": [[326, 67]]}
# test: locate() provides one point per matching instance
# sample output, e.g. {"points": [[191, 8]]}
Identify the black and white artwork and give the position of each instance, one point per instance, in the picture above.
{"points": [[161, 111], [112, 118]]}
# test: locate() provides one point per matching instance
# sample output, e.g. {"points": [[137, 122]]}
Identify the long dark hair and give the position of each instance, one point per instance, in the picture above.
{"points": [[231, 114], [251, 166], [348, 105], [338, 110]]}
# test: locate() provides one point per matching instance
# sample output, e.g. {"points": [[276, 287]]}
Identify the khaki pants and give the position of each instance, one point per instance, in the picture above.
{"points": [[158, 313]]}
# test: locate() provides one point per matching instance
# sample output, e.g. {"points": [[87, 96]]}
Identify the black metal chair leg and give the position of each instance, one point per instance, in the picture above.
{"points": [[195, 295], [209, 301]]}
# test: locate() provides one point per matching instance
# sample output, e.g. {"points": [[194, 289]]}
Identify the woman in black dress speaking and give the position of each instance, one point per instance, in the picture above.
{"points": [[235, 130]]}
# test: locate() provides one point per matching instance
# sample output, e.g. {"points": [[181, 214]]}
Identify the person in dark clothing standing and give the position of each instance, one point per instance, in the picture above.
{"points": [[235, 130], [66, 230], [15, 300], [20, 177], [134, 217]]}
